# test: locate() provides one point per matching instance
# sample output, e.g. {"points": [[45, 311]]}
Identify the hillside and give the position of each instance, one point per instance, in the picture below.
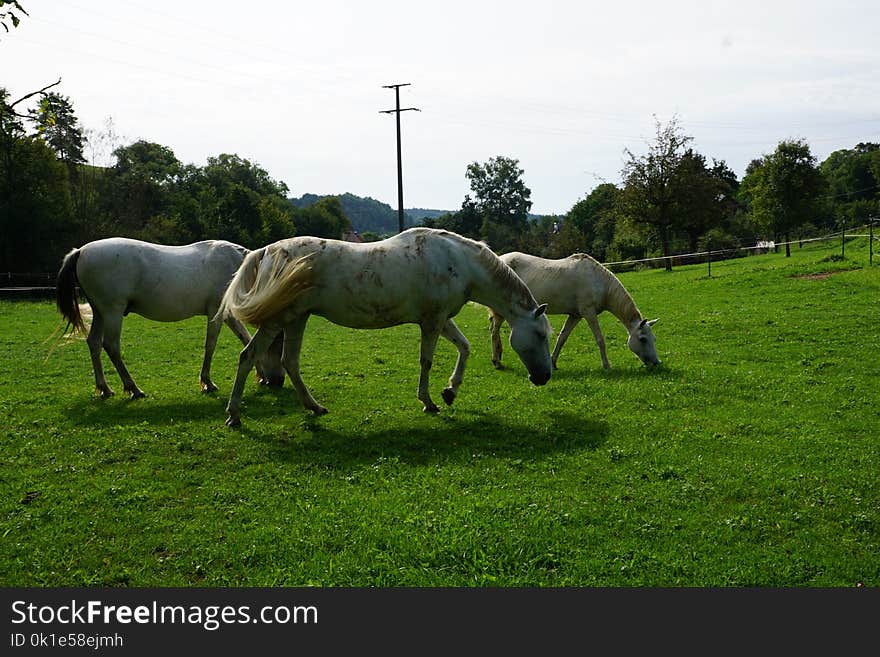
{"points": [[369, 215]]}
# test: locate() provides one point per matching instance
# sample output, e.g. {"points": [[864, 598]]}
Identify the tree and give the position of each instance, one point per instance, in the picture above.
{"points": [[650, 183], [595, 218], [853, 183], [238, 202], [138, 187], [34, 199], [58, 126], [467, 222], [501, 198], [9, 14], [325, 218], [702, 196], [784, 189]]}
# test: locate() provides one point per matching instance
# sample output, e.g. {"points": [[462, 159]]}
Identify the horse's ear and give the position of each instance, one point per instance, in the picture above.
{"points": [[540, 310], [653, 321]]}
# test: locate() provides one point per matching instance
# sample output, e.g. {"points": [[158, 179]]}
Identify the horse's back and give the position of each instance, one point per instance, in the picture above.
{"points": [[566, 285], [160, 282], [379, 284]]}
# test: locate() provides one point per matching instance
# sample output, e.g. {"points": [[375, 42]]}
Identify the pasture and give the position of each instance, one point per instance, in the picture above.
{"points": [[749, 458]]}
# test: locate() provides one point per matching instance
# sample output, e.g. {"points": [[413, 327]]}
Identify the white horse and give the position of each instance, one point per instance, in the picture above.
{"points": [[580, 287], [162, 283], [421, 276]]}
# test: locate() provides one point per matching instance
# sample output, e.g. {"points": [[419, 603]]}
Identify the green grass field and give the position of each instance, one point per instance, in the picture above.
{"points": [[750, 458]]}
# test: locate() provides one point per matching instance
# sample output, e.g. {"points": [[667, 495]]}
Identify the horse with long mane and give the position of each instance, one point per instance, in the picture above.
{"points": [[163, 283], [580, 287], [420, 276]]}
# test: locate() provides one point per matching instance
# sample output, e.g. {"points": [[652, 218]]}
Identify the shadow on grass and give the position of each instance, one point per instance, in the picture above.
{"points": [[580, 372], [459, 437], [160, 411]]}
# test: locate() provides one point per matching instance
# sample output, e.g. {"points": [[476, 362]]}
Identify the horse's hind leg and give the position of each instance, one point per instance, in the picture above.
{"points": [[570, 322], [95, 340], [495, 322], [255, 348], [293, 337], [112, 335], [455, 336]]}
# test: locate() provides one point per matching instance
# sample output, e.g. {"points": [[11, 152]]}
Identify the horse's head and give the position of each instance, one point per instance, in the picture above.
{"points": [[530, 339], [641, 342], [270, 371]]}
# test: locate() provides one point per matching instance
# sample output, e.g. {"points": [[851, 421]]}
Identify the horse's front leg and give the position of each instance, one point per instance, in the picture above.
{"points": [[257, 346], [293, 336], [455, 336], [428, 345], [495, 322], [570, 322], [593, 321]]}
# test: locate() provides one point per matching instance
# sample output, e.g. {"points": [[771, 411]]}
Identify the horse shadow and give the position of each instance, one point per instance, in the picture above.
{"points": [[453, 437], [577, 372]]}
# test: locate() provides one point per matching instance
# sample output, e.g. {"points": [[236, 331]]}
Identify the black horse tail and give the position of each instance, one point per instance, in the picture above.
{"points": [[66, 298]]}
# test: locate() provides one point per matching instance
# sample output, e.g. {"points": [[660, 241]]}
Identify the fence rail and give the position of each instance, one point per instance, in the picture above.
{"points": [[42, 284]]}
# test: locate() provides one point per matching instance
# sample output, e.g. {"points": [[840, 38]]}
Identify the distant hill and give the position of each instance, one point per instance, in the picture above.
{"points": [[369, 215]]}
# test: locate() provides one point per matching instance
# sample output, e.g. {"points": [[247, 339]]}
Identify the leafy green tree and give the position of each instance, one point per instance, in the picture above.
{"points": [[9, 10], [232, 200], [138, 187], [467, 222], [650, 189], [501, 198], [853, 183], [58, 126], [784, 189], [34, 199], [325, 218], [595, 218], [703, 197]]}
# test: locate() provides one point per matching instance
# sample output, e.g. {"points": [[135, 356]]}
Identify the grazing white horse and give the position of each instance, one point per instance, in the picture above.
{"points": [[420, 276], [580, 287], [162, 283]]}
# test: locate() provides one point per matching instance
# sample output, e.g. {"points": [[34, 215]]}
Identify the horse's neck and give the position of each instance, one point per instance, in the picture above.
{"points": [[620, 304], [496, 286]]}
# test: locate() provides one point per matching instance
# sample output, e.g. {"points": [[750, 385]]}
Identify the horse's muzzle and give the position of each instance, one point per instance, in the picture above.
{"points": [[539, 379]]}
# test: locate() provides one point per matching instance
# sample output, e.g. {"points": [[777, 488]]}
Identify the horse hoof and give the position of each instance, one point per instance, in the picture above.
{"points": [[138, 394], [105, 394], [448, 395], [497, 365], [319, 410], [431, 408], [209, 387], [233, 422]]}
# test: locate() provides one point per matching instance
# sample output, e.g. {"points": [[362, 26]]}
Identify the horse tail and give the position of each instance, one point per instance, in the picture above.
{"points": [[266, 282], [66, 297]]}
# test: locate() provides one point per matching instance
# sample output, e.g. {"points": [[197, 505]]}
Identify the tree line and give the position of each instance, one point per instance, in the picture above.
{"points": [[51, 199], [671, 200]]}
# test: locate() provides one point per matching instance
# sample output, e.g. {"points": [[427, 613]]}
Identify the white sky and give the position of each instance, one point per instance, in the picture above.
{"points": [[562, 86]]}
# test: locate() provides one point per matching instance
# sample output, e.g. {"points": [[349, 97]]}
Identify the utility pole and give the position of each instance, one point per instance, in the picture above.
{"points": [[397, 111]]}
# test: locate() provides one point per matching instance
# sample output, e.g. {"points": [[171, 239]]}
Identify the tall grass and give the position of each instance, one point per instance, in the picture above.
{"points": [[750, 458]]}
